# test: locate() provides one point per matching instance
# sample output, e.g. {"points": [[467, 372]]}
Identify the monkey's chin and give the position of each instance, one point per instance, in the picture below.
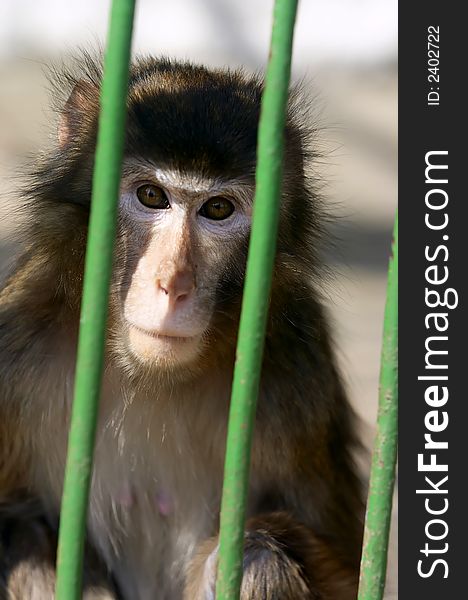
{"points": [[163, 351]]}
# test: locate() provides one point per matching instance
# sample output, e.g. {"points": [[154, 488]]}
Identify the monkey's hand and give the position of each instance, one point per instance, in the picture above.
{"points": [[283, 560], [27, 557]]}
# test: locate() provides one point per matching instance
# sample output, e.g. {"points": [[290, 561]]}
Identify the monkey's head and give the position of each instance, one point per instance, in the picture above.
{"points": [[185, 207]]}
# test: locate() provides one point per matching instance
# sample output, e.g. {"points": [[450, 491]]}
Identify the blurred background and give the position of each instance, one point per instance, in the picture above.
{"points": [[345, 52]]}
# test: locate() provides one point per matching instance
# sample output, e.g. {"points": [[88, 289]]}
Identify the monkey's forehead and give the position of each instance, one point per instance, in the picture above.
{"points": [[191, 118]]}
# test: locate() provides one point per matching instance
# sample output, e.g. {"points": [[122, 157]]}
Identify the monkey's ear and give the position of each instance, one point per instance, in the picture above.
{"points": [[78, 110]]}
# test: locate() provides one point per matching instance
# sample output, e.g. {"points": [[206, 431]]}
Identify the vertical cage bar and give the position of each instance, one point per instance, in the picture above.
{"points": [[255, 301], [382, 479], [98, 269]]}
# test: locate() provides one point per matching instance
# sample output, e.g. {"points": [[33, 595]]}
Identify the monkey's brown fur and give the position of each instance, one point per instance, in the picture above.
{"points": [[304, 534]]}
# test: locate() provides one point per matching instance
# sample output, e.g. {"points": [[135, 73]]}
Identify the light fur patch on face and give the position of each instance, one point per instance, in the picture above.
{"points": [[171, 178], [162, 350], [178, 255]]}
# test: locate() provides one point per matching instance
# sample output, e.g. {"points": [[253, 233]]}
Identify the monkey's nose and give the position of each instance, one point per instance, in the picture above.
{"points": [[178, 286]]}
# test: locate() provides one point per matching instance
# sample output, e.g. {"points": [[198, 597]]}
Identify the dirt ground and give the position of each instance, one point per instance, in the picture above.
{"points": [[360, 170]]}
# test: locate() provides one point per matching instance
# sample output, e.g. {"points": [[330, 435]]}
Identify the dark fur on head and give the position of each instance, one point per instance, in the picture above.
{"points": [[187, 118], [184, 117]]}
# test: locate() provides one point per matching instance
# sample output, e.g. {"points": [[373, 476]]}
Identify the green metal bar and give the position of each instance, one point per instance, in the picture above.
{"points": [[255, 301], [98, 269], [382, 479]]}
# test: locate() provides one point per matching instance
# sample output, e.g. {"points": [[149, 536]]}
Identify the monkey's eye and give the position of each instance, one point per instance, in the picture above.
{"points": [[152, 196], [217, 208]]}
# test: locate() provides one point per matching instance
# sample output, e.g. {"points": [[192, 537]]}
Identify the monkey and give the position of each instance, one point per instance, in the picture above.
{"points": [[184, 218]]}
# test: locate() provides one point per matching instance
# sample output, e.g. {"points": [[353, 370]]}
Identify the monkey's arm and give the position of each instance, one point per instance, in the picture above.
{"points": [[304, 539], [27, 540], [282, 560], [27, 557], [303, 542]]}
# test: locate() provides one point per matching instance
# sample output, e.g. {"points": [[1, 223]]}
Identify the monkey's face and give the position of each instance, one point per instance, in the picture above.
{"points": [[182, 241], [186, 197]]}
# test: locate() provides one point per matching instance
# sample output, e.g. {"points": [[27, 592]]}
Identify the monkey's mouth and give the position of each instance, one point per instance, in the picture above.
{"points": [[162, 350], [164, 337]]}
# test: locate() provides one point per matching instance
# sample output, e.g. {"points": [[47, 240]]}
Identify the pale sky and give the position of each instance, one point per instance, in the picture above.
{"points": [[213, 31]]}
